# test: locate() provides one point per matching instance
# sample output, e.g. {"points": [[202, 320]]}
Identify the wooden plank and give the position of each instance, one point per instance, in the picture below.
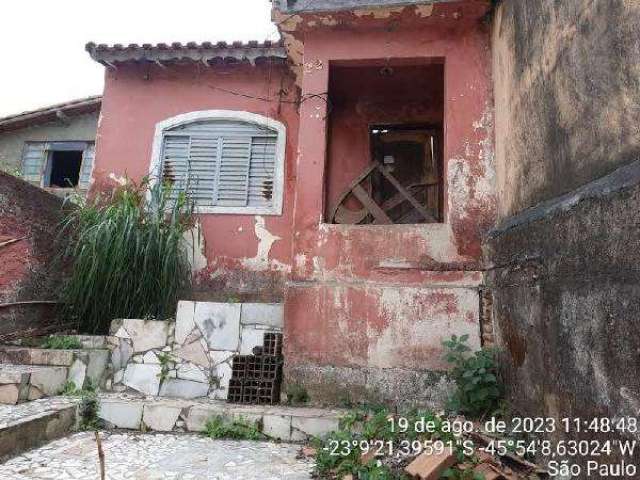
{"points": [[348, 190], [405, 193], [368, 203]]}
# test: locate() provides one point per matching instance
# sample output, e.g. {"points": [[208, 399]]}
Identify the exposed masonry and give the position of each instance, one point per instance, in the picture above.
{"points": [[486, 318], [191, 358], [30, 373]]}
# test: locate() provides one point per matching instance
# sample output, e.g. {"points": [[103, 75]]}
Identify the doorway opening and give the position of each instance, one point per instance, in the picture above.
{"points": [[385, 143]]}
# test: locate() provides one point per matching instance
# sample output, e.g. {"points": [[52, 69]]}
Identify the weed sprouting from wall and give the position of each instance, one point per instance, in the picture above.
{"points": [[476, 375], [128, 255]]}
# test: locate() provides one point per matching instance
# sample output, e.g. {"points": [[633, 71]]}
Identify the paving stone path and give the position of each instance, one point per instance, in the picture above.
{"points": [[10, 414], [158, 456]]}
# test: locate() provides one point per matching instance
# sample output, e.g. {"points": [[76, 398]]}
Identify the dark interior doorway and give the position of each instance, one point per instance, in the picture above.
{"points": [[410, 154], [65, 168]]}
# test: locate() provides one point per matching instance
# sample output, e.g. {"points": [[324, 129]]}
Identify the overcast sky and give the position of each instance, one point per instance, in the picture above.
{"points": [[42, 41]]}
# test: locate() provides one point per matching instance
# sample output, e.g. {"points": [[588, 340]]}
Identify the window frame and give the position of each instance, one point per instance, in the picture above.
{"points": [[163, 128], [50, 146]]}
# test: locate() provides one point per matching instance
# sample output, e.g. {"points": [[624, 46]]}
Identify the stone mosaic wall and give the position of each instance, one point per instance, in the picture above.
{"points": [[191, 357]]}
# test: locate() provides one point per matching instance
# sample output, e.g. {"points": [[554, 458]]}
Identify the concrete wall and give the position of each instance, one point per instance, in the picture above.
{"points": [[241, 255], [80, 128], [27, 269], [566, 89], [565, 255], [367, 306]]}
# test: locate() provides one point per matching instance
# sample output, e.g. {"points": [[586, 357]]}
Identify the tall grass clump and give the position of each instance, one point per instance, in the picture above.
{"points": [[128, 255]]}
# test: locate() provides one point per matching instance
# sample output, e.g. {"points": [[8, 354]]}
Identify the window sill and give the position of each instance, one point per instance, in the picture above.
{"points": [[393, 226], [235, 211]]}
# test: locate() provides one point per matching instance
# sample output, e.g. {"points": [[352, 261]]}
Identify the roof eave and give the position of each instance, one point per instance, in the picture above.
{"points": [[206, 53], [51, 113]]}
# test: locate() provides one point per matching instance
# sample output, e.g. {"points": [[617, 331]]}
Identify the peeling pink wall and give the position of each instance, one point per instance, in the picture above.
{"points": [[137, 97], [357, 298], [378, 296]]}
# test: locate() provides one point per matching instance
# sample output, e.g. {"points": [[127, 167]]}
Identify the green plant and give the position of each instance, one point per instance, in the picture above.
{"points": [[61, 342], [88, 410], [71, 390], [478, 389], [234, 428], [165, 360], [467, 473], [297, 394], [128, 255]]}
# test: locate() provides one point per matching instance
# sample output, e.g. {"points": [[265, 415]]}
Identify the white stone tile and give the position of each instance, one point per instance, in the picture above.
{"points": [[312, 426], [121, 413], [146, 334], [176, 388], [277, 426], [219, 356], [150, 358], [77, 373], [161, 418], [252, 336], [9, 394], [97, 361], [266, 314], [189, 371], [49, 380], [185, 322], [193, 352], [220, 324], [121, 354], [143, 378]]}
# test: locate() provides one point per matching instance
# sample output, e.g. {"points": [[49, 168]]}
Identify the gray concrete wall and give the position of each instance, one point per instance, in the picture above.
{"points": [[81, 128], [567, 87], [566, 253]]}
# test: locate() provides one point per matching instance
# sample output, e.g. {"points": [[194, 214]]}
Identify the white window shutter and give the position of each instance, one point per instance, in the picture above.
{"points": [[204, 151], [226, 165], [33, 161], [175, 162], [233, 173], [262, 171]]}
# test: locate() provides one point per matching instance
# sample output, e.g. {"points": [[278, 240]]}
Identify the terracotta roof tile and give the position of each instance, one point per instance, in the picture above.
{"points": [[206, 52]]}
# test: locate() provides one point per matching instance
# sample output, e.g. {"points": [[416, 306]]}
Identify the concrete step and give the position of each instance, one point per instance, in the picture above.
{"points": [[30, 424], [81, 364], [22, 383], [290, 424]]}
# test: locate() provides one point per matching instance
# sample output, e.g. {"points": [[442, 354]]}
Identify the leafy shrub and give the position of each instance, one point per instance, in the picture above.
{"points": [[478, 388], [296, 394], [61, 342], [88, 408], [128, 255], [71, 390], [234, 428]]}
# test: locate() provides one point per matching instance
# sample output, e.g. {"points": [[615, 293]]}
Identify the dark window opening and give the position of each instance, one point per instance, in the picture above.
{"points": [[385, 142], [65, 168], [410, 156]]}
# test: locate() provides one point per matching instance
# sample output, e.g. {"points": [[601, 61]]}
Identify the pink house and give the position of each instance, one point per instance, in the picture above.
{"points": [[346, 171]]}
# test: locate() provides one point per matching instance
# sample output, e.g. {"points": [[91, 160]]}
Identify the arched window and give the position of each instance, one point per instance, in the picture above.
{"points": [[226, 161]]}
